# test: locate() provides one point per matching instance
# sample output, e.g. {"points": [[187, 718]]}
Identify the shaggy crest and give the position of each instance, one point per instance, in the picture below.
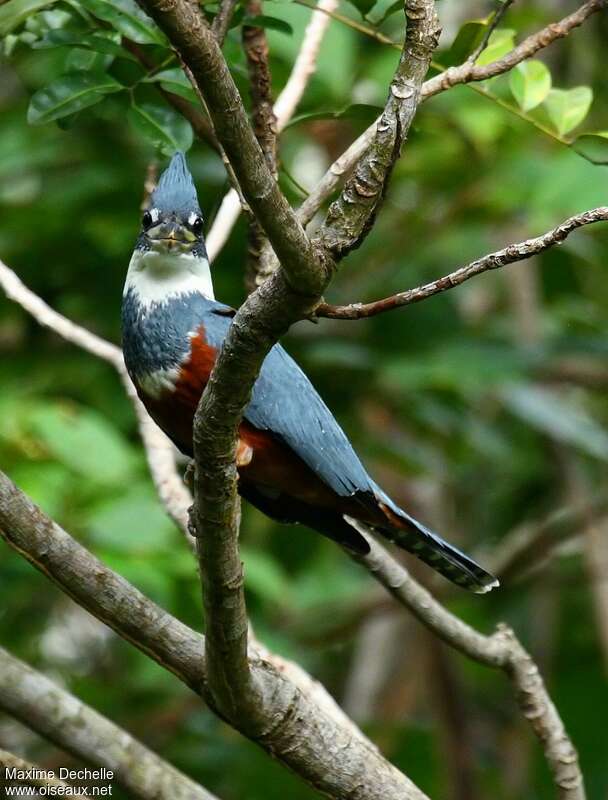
{"points": [[176, 191]]}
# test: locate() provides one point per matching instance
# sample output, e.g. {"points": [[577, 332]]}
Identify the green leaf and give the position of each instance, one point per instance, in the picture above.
{"points": [[133, 523], [501, 42], [364, 6], [272, 23], [530, 83], [162, 126], [99, 42], [560, 418], [84, 441], [69, 94], [87, 61], [467, 39], [15, 12], [567, 108], [128, 19], [392, 9], [174, 80], [593, 146]]}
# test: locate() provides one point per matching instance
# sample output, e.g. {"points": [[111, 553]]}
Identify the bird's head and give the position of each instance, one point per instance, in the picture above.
{"points": [[170, 256], [173, 222]]}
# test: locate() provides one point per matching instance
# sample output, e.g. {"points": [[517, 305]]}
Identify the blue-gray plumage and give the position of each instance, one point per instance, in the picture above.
{"points": [[176, 192], [295, 462]]}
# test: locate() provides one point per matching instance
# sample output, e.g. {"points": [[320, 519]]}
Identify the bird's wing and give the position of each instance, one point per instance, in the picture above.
{"points": [[285, 403]]}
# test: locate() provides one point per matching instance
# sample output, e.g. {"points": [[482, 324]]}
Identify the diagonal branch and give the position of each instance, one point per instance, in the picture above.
{"points": [[60, 717], [307, 733], [310, 734], [501, 650], [500, 258]]}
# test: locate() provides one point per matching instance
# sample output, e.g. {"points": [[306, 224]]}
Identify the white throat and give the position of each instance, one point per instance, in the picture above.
{"points": [[156, 277]]}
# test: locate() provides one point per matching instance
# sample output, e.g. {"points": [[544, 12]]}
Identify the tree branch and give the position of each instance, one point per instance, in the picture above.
{"points": [[307, 732], [58, 716], [222, 20], [234, 690], [501, 650], [500, 258], [462, 74], [469, 72], [263, 318], [351, 216], [255, 45]]}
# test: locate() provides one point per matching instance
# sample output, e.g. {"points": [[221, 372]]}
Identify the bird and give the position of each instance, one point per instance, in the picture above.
{"points": [[294, 461]]}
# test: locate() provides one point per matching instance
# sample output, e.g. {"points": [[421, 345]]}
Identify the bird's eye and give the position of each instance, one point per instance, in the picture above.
{"points": [[197, 226], [146, 220]]}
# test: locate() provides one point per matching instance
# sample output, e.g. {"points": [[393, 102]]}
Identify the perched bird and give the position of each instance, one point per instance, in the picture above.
{"points": [[294, 461]]}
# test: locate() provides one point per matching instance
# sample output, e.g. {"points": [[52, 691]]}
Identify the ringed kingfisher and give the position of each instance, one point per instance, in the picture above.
{"points": [[294, 461]]}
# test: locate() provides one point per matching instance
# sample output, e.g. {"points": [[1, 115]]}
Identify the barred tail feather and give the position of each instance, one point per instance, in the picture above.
{"points": [[444, 558]]}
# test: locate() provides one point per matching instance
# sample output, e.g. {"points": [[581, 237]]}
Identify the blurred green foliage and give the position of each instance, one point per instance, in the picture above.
{"points": [[480, 410]]}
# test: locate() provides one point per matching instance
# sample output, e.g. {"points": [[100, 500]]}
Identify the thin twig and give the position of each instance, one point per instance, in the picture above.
{"points": [[467, 72], [373, 33], [222, 20], [500, 258], [44, 707], [462, 74], [494, 23]]}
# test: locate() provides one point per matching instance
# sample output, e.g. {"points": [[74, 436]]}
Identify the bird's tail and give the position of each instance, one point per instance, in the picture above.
{"points": [[409, 534]]}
